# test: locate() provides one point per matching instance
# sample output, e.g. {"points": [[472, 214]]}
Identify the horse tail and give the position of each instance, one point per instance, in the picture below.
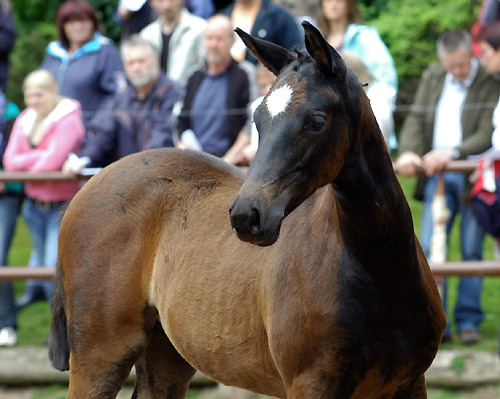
{"points": [[58, 338]]}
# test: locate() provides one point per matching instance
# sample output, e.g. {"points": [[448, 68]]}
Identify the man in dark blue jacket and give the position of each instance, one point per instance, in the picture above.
{"points": [[139, 118]]}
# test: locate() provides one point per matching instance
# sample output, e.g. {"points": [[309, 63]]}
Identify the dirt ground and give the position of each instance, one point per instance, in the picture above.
{"points": [[45, 393], [482, 392]]}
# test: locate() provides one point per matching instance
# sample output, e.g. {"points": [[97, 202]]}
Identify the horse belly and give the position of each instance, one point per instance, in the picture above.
{"points": [[210, 308]]}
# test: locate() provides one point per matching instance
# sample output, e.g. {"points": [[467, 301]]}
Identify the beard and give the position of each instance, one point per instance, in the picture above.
{"points": [[143, 80], [213, 57]]}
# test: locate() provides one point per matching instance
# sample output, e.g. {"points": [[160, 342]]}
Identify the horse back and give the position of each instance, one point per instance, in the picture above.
{"points": [[112, 227]]}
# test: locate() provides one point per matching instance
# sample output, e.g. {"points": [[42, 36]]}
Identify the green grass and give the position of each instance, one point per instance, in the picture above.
{"points": [[34, 321], [55, 391]]}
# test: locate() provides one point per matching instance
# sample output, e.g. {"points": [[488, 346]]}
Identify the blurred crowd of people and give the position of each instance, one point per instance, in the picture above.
{"points": [[180, 77]]}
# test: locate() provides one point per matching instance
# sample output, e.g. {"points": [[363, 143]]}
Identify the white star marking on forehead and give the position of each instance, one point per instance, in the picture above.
{"points": [[278, 100]]}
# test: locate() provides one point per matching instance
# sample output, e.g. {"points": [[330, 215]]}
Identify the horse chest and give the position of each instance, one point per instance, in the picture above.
{"points": [[378, 334]]}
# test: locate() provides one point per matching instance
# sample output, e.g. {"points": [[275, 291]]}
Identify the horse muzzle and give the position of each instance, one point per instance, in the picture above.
{"points": [[254, 224]]}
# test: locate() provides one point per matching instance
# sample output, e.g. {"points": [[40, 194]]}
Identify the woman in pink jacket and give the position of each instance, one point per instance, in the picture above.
{"points": [[43, 136]]}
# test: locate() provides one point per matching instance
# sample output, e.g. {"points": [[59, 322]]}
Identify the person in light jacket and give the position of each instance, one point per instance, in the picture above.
{"points": [[178, 35]]}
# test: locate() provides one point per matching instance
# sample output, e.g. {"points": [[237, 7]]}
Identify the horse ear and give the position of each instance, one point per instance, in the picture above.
{"points": [[272, 56], [324, 54]]}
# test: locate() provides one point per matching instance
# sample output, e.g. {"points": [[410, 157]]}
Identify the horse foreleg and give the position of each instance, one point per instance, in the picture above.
{"points": [[316, 386], [161, 371], [416, 390]]}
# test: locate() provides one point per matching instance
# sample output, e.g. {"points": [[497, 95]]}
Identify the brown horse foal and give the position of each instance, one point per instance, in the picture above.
{"points": [[336, 300]]}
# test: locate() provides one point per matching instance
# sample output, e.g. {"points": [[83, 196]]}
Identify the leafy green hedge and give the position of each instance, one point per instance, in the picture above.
{"points": [[27, 56]]}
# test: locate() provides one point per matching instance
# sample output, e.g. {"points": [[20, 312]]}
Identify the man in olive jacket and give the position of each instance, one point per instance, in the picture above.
{"points": [[451, 118]]}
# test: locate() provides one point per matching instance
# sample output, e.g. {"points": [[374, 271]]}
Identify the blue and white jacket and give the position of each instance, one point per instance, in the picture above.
{"points": [[91, 75], [365, 42]]}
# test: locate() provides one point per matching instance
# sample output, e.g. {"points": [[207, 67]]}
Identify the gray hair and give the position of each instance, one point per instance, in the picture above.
{"points": [[138, 41], [451, 40]]}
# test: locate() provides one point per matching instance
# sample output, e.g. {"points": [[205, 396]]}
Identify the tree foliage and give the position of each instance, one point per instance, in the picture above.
{"points": [[105, 10], [411, 27], [30, 12], [27, 55]]}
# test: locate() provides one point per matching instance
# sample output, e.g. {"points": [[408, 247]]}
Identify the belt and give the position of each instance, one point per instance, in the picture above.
{"points": [[47, 205]]}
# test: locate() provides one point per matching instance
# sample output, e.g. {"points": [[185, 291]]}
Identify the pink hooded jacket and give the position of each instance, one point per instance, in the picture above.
{"points": [[64, 133]]}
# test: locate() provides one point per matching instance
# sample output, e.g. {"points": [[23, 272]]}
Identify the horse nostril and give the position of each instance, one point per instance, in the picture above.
{"points": [[245, 222], [254, 221]]}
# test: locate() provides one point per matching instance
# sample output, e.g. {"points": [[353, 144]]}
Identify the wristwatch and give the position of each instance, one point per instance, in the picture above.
{"points": [[454, 152]]}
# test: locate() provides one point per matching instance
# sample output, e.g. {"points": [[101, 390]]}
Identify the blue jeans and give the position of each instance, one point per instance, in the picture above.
{"points": [[3, 105], [10, 206], [468, 312], [43, 225]]}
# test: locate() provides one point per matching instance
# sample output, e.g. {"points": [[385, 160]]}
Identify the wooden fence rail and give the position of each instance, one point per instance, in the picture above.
{"points": [[46, 176], [23, 273], [466, 268], [453, 166]]}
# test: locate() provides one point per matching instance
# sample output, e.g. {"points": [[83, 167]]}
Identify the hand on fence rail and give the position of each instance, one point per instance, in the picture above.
{"points": [[452, 166]]}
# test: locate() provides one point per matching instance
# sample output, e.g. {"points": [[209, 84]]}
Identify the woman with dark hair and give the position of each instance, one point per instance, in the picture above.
{"points": [[86, 65], [488, 38], [340, 23], [489, 43], [486, 194]]}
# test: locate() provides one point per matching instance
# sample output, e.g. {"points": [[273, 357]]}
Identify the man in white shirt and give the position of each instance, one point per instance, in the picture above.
{"points": [[451, 119]]}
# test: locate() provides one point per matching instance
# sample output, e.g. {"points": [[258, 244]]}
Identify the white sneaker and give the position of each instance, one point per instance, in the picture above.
{"points": [[8, 336]]}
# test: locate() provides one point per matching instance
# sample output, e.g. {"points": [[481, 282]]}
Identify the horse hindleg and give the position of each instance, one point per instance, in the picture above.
{"points": [[101, 358], [99, 373], [161, 371]]}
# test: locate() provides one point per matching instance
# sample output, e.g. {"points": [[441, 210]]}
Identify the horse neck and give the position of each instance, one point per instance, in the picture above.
{"points": [[373, 215]]}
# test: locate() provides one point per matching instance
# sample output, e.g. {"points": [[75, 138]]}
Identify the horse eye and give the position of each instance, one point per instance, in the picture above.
{"points": [[316, 122]]}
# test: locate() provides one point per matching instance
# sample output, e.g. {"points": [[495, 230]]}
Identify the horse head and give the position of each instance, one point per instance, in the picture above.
{"points": [[304, 124]]}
